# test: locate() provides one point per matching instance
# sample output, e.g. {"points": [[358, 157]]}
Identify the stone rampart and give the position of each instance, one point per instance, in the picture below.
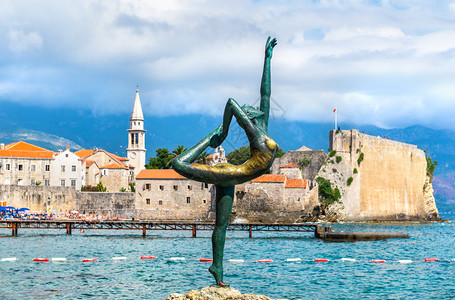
{"points": [[107, 204], [379, 179]]}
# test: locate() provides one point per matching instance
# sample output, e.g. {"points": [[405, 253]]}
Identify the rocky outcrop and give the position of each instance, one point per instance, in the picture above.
{"points": [[214, 293], [429, 202]]}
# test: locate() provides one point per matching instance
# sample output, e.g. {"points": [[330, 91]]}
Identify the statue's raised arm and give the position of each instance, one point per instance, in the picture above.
{"points": [[266, 89]]}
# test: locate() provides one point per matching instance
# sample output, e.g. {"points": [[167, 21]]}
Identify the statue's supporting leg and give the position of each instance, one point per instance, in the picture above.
{"points": [[224, 201]]}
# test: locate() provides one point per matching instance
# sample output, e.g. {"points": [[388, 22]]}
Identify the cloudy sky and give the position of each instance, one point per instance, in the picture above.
{"points": [[387, 63]]}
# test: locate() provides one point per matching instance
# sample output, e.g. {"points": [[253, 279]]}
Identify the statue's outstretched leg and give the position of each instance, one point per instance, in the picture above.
{"points": [[224, 201]]}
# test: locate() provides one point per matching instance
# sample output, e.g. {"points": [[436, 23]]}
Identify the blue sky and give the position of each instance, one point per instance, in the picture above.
{"points": [[386, 63]]}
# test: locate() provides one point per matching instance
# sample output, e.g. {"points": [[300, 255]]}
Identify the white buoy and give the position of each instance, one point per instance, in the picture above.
{"points": [[58, 259], [9, 259], [177, 258], [348, 259], [119, 258], [236, 260], [294, 259], [405, 261]]}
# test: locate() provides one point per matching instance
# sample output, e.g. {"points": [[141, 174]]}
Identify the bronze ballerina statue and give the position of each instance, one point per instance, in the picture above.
{"points": [[225, 176]]}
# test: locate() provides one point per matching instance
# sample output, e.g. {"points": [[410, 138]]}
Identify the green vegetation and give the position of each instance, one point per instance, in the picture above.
{"points": [[161, 160], [280, 152], [123, 190], [355, 171], [132, 186], [360, 159], [98, 188], [37, 182], [327, 195], [357, 151], [350, 179], [338, 159], [431, 166], [239, 156], [332, 153], [305, 161]]}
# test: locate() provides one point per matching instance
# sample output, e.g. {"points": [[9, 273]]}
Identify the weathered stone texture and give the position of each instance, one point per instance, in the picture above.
{"points": [[309, 171], [390, 181], [39, 199], [107, 204], [214, 293]]}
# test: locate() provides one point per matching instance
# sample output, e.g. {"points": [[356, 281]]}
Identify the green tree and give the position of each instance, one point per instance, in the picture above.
{"points": [[202, 159], [239, 156], [161, 160], [100, 187], [178, 150], [431, 166], [132, 186], [327, 195], [280, 152]]}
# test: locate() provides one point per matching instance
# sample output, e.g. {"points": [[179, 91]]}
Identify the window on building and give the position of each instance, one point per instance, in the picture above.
{"points": [[62, 168], [19, 181], [33, 168], [176, 187], [8, 167], [66, 155], [137, 138], [73, 182], [204, 201], [32, 181], [62, 182], [73, 168], [46, 182], [160, 202], [206, 185], [47, 168], [162, 187], [148, 186], [104, 172], [147, 201], [21, 167], [188, 200], [189, 187]]}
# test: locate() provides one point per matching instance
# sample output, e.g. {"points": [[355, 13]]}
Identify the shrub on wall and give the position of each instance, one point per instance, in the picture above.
{"points": [[360, 159], [350, 179], [338, 159], [332, 153], [355, 171], [327, 195]]}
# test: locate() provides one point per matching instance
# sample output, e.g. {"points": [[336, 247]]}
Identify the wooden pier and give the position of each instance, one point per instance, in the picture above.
{"points": [[144, 226]]}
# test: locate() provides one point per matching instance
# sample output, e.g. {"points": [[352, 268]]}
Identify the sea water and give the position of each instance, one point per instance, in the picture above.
{"points": [[135, 278]]}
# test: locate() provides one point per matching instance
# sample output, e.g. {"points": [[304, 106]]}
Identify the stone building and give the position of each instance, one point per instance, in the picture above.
{"points": [[136, 137], [309, 161], [22, 163], [111, 170], [66, 170], [218, 157], [163, 194]]}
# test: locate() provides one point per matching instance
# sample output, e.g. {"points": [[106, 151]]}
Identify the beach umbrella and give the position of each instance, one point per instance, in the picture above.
{"points": [[2, 208], [54, 212], [23, 209], [10, 207]]}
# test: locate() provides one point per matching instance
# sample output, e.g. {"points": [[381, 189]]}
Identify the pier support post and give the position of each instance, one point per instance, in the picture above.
{"points": [[194, 231], [251, 231], [68, 228], [14, 229], [143, 230]]}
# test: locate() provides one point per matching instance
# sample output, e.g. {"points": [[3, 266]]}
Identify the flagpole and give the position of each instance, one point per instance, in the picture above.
{"points": [[336, 115]]}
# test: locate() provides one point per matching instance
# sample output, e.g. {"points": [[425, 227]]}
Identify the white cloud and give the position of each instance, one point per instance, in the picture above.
{"points": [[380, 63], [21, 42]]}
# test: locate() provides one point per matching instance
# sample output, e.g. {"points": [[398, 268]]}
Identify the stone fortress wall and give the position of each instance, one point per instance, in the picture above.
{"points": [[388, 178]]}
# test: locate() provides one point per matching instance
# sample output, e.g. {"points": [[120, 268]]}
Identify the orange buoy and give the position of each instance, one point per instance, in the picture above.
{"points": [[148, 257], [206, 259], [432, 259], [265, 260], [89, 259], [321, 260], [380, 261], [41, 259]]}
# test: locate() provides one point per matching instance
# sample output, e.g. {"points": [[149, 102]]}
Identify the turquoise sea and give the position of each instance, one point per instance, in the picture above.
{"points": [[135, 278]]}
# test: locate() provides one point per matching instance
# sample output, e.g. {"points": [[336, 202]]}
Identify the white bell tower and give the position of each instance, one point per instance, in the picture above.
{"points": [[136, 137]]}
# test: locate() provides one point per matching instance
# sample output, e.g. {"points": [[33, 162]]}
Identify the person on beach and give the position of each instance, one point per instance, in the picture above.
{"points": [[224, 175]]}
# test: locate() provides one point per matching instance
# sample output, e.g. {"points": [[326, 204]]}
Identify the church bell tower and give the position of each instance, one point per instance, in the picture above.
{"points": [[136, 137]]}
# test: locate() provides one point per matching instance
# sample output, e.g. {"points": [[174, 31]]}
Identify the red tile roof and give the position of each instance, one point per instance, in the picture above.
{"points": [[290, 165], [89, 163], [159, 174], [84, 153], [25, 150], [113, 166], [270, 178], [296, 183]]}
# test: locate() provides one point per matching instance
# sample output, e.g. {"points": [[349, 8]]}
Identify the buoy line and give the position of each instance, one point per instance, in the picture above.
{"points": [[265, 260]]}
